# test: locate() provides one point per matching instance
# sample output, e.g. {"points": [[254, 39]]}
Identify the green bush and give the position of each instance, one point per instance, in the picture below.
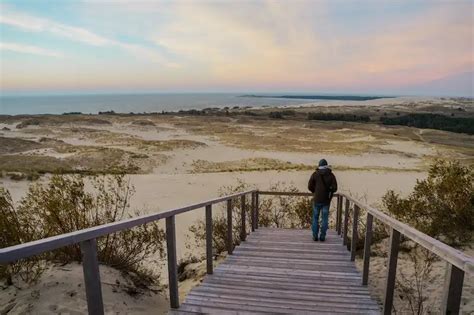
{"points": [[277, 211], [63, 205], [338, 117], [432, 121], [441, 206]]}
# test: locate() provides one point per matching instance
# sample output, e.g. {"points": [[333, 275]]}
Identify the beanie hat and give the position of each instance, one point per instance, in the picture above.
{"points": [[323, 162]]}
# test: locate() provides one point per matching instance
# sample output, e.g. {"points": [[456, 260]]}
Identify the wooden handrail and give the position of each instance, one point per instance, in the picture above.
{"points": [[458, 262], [13, 253], [451, 255], [448, 253]]}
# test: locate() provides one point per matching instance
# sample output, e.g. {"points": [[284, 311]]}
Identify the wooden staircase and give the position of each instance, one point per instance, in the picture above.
{"points": [[283, 271]]}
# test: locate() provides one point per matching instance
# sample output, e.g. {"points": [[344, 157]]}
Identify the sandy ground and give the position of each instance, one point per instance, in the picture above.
{"points": [[367, 172]]}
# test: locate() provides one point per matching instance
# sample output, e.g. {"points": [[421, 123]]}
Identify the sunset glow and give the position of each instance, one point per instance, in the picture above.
{"points": [[328, 46]]}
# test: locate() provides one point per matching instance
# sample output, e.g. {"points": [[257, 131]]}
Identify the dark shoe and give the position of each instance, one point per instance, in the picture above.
{"points": [[322, 239], [315, 238]]}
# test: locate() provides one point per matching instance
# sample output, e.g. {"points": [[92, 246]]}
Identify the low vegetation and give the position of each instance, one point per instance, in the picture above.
{"points": [[433, 121], [281, 211], [339, 117], [64, 205], [441, 205], [246, 165]]}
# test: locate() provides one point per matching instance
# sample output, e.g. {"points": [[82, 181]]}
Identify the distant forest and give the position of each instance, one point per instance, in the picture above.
{"points": [[432, 121], [323, 97], [336, 116]]}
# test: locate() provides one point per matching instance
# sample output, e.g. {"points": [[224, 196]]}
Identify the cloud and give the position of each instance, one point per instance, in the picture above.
{"points": [[302, 45], [28, 49], [78, 34], [35, 24]]}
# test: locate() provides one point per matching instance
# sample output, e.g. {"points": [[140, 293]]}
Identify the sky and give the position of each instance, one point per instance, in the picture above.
{"points": [[338, 46]]}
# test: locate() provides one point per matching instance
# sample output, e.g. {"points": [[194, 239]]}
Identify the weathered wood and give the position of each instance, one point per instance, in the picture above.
{"points": [[339, 215], [209, 256], [16, 252], [257, 208], [285, 277], [355, 225], [243, 229], [13, 253], [230, 238], [446, 252], [452, 290], [285, 193], [252, 212], [90, 266], [391, 271], [346, 223], [172, 261], [367, 243]]}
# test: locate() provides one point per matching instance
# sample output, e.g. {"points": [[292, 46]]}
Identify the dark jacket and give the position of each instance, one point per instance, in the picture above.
{"points": [[322, 184]]}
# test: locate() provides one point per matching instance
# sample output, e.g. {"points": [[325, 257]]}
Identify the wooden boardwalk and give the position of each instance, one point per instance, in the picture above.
{"points": [[283, 271]]}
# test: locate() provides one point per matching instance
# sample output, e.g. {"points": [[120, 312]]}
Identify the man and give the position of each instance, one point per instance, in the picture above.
{"points": [[323, 185]]}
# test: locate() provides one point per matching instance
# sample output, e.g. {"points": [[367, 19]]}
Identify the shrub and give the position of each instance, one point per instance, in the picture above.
{"points": [[219, 221], [278, 211], [441, 206], [15, 231], [63, 205], [338, 116], [432, 121]]}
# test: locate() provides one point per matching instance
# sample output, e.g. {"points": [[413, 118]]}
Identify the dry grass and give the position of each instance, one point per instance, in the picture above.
{"points": [[246, 165], [266, 164], [15, 145]]}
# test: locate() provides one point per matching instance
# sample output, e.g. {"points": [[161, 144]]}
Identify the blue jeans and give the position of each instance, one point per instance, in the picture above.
{"points": [[318, 208]]}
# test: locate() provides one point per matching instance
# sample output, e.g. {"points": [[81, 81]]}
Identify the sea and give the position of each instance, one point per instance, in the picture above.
{"points": [[136, 103]]}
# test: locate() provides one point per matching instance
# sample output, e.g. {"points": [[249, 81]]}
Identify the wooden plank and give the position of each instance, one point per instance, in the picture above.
{"points": [[283, 193], [355, 224], [452, 290], [243, 229], [230, 238], [12, 253], [280, 293], [283, 278], [339, 215], [346, 223], [172, 261], [90, 267], [282, 300], [446, 252], [391, 271], [257, 208], [266, 307], [209, 256], [327, 287], [198, 309], [284, 274], [296, 273], [252, 212], [367, 243]]}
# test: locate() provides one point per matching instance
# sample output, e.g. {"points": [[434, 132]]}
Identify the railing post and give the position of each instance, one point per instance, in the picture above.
{"points": [[256, 209], [230, 239], [452, 290], [252, 211], [209, 239], [90, 267], [368, 242], [355, 224], [339, 215], [243, 230], [172, 263], [346, 223], [391, 271]]}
